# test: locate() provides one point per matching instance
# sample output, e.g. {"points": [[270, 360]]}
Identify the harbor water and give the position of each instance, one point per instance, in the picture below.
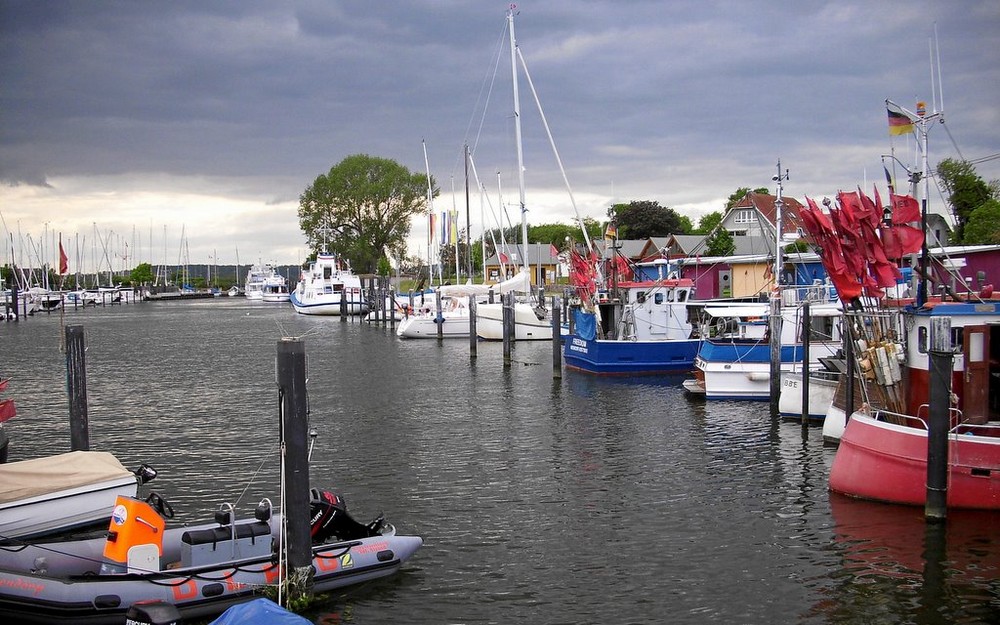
{"points": [[540, 500]]}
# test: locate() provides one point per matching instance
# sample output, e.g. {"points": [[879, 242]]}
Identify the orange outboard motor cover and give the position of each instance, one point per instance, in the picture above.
{"points": [[133, 522]]}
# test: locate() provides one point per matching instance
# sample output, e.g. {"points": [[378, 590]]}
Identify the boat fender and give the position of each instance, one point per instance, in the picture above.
{"points": [[893, 361], [152, 612], [883, 373]]}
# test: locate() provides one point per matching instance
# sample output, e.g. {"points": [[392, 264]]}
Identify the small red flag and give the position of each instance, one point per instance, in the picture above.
{"points": [[905, 208], [553, 252], [63, 259]]}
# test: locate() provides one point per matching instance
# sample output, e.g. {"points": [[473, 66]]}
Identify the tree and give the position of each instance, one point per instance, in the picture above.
{"points": [[741, 193], [687, 227], [966, 191], [708, 222], [142, 274], [983, 226], [720, 243], [361, 209], [554, 234], [641, 219]]}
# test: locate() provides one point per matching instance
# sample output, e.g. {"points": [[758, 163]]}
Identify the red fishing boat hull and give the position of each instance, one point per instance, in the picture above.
{"points": [[886, 462]]}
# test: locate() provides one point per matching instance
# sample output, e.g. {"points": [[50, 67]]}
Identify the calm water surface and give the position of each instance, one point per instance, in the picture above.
{"points": [[579, 500]]}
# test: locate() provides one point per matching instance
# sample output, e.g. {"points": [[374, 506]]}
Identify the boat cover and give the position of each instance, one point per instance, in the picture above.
{"points": [[259, 612], [520, 283], [31, 478]]}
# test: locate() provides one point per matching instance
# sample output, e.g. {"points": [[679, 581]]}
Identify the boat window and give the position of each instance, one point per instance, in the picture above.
{"points": [[658, 298], [682, 295], [640, 297], [820, 328], [957, 340]]}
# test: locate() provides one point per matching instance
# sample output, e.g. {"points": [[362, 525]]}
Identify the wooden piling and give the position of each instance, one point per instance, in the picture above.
{"points": [[439, 319], [774, 327], [940, 356], [76, 388], [556, 338], [806, 323], [507, 327], [473, 338], [294, 436]]}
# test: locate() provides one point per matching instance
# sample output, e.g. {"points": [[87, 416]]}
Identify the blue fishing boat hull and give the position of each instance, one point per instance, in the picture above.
{"points": [[602, 357]]}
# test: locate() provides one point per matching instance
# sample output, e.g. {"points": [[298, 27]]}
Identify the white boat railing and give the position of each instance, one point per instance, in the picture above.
{"points": [[955, 416]]}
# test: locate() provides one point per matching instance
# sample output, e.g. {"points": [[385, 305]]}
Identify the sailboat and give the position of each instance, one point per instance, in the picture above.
{"points": [[532, 320], [454, 317]]}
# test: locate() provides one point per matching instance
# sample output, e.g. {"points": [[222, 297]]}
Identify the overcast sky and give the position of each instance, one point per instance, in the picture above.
{"points": [[139, 121]]}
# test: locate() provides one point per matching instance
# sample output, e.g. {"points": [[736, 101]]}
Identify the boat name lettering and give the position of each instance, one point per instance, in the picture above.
{"points": [[326, 563], [573, 347], [579, 342], [186, 590], [21, 583], [372, 548]]}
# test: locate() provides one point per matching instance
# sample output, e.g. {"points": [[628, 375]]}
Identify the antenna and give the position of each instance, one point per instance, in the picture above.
{"points": [[937, 51]]}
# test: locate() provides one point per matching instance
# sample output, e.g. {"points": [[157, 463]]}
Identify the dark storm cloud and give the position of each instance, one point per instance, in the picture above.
{"points": [[650, 98]]}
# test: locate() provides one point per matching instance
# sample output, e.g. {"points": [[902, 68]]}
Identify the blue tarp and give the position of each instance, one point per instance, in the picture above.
{"points": [[585, 325], [259, 612]]}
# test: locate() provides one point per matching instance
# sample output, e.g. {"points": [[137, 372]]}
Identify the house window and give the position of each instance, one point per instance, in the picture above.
{"points": [[743, 217]]}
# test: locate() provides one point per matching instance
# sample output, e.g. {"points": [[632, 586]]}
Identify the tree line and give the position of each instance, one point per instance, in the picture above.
{"points": [[361, 210]]}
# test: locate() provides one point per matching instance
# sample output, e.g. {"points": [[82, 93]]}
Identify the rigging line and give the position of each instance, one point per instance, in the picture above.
{"points": [[255, 473], [953, 142], [555, 151], [489, 79], [984, 159]]}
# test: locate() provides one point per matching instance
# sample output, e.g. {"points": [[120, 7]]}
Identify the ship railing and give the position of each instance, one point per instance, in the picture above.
{"points": [[956, 421]]}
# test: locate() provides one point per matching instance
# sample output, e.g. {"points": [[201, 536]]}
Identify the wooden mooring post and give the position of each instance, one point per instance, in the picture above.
{"points": [[76, 388], [806, 323], [507, 327], [294, 435], [473, 337], [941, 361], [556, 338]]}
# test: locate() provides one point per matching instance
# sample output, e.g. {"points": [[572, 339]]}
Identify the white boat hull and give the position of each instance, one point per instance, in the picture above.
{"points": [[527, 325], [426, 327], [821, 392]]}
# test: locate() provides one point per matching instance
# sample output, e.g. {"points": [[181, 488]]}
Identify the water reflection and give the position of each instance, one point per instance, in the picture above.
{"points": [[540, 500], [894, 563]]}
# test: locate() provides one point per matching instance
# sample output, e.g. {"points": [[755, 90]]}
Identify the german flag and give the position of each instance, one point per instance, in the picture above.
{"points": [[899, 123]]}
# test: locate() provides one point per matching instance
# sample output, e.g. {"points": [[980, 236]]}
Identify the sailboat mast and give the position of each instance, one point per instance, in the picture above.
{"points": [[430, 221], [517, 140], [468, 217]]}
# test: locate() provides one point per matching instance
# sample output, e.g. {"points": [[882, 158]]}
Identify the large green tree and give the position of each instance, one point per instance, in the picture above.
{"points": [[966, 191], [983, 226], [361, 209], [708, 222], [641, 219], [720, 243]]}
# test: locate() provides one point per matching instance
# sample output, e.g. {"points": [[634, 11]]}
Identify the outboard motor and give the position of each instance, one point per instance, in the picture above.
{"points": [[329, 519]]}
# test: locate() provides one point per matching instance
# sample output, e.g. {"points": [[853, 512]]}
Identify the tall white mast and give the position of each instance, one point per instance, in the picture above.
{"points": [[517, 139], [430, 228]]}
